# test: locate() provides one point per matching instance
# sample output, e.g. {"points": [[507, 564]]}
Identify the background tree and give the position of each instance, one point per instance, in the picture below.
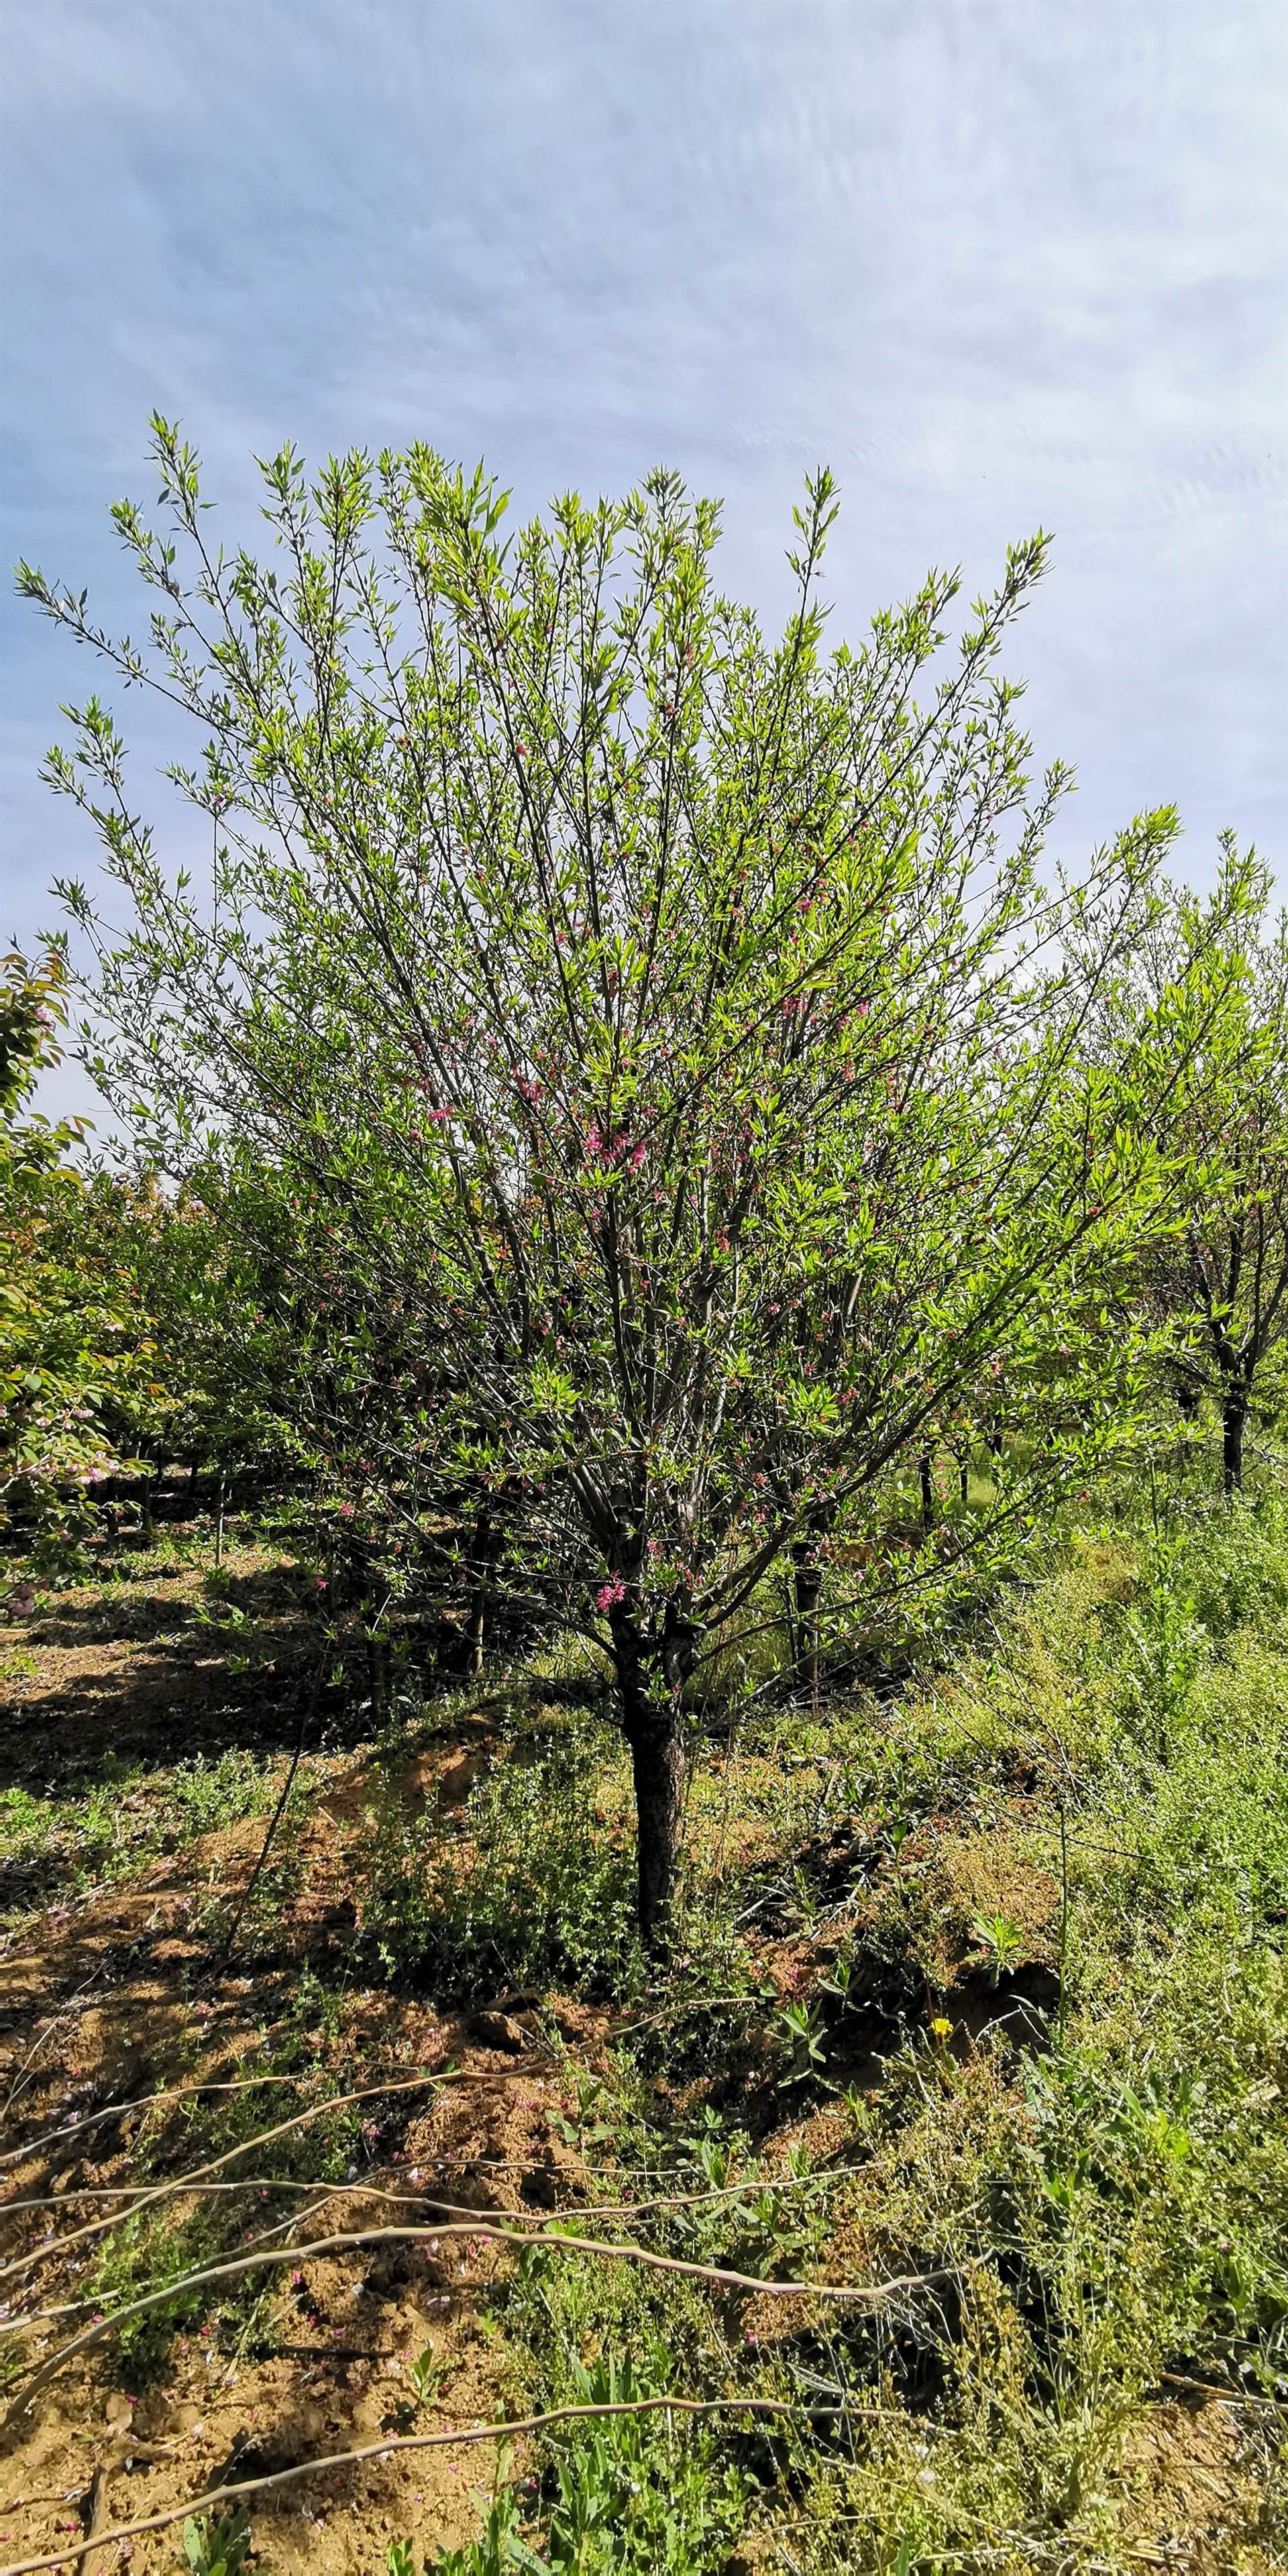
{"points": [[206, 1299], [68, 1357], [669, 1029], [1221, 1281]]}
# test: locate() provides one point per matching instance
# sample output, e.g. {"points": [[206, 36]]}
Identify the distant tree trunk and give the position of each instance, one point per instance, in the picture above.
{"points": [[807, 1590], [808, 1578], [147, 1507], [1234, 1414], [963, 1471], [482, 1555], [219, 1518], [652, 1728], [927, 1490], [378, 1678]]}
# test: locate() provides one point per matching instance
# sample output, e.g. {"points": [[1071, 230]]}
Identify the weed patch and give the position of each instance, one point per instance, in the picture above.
{"points": [[529, 1883]]}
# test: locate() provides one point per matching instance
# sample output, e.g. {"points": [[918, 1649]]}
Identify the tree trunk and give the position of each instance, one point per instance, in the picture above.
{"points": [[809, 1592], [651, 1725], [219, 1520], [378, 1679], [147, 1507], [927, 1491], [482, 1553], [1234, 1414], [963, 1471]]}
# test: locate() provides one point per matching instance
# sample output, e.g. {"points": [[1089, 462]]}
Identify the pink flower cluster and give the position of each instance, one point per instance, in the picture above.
{"points": [[609, 1594], [605, 1151]]}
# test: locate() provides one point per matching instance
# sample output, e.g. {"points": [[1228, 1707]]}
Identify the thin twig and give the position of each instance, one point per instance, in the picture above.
{"points": [[246, 2084], [454, 2439], [24, 2321], [27, 2318], [676, 2012], [754, 2184], [75, 2005], [122, 2110], [308, 1707], [265, 2137], [557, 2240]]}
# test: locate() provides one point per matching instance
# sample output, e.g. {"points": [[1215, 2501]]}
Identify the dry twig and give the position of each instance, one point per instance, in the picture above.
{"points": [[455, 2439]]}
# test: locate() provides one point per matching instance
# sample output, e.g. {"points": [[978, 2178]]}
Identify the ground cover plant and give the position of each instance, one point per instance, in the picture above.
{"points": [[643, 1845]]}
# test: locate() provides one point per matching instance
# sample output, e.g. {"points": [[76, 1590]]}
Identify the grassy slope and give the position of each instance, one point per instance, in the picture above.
{"points": [[983, 1985]]}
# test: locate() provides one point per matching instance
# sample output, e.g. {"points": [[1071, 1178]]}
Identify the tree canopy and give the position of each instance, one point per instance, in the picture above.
{"points": [[677, 1084]]}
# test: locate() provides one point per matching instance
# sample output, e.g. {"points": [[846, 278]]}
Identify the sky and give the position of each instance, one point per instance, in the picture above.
{"points": [[999, 263]]}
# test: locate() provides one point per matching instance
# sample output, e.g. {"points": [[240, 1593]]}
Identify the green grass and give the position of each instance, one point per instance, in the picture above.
{"points": [[1106, 2209], [1091, 1794], [57, 1847]]}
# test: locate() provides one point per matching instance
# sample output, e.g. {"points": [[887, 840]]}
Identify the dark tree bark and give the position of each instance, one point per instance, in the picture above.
{"points": [[808, 1579], [652, 1728], [378, 1678], [805, 1592], [927, 1490], [1234, 1414]]}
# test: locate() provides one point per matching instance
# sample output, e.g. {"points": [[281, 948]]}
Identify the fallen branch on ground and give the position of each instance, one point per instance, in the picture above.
{"points": [[175, 2189], [300, 2120], [246, 2084], [455, 2439], [557, 2240]]}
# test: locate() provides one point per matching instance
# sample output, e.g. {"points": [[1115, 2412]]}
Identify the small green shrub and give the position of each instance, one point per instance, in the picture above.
{"points": [[629, 2495], [529, 1884], [1238, 1566], [206, 1796], [216, 2544]]}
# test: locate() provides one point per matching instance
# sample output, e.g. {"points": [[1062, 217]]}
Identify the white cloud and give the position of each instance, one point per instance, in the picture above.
{"points": [[1000, 264]]}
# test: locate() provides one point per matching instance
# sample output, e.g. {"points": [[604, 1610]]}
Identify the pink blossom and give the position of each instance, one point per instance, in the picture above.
{"points": [[610, 1593]]}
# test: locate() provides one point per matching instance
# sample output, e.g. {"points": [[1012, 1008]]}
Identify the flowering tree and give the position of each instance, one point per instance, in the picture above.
{"points": [[662, 1034]]}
